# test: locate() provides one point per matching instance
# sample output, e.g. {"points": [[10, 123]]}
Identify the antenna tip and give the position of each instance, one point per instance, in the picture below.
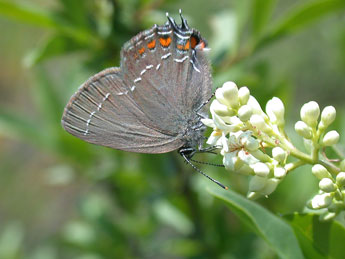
{"points": [[167, 14], [180, 11]]}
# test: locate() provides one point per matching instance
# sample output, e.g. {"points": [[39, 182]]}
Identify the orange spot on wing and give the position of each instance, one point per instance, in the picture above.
{"points": [[194, 42], [152, 44], [186, 47], [165, 42], [141, 51]]}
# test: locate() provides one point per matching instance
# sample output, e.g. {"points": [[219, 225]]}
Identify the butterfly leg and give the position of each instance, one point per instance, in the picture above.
{"points": [[187, 153]]}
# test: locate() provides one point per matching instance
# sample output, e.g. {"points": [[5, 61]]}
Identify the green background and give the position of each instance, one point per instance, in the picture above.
{"points": [[63, 198]]}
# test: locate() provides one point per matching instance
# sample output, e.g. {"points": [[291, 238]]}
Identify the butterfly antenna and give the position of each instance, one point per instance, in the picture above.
{"points": [[206, 163], [201, 172], [202, 105]]}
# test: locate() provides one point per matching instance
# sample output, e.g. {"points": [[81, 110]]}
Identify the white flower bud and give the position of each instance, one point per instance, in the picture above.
{"points": [[327, 185], [279, 172], [331, 138], [310, 113], [320, 172], [270, 186], [303, 130], [321, 201], [261, 169], [341, 179], [257, 183], [327, 116], [243, 95], [252, 102], [228, 94], [221, 109], [275, 111], [245, 112], [279, 154], [259, 122]]}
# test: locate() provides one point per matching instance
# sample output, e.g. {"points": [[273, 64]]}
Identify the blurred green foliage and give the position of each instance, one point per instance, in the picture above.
{"points": [[64, 198]]}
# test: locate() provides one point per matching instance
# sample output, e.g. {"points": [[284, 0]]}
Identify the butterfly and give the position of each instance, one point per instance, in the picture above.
{"points": [[153, 102]]}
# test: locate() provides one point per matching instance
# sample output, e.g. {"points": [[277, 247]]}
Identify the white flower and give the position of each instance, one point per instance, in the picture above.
{"points": [[327, 116], [243, 95], [256, 108], [245, 112], [320, 172], [249, 143], [341, 179], [222, 125], [214, 138], [321, 201], [327, 185], [279, 172], [310, 113], [221, 109], [303, 130], [257, 183], [331, 138], [228, 94], [261, 169], [270, 186], [275, 111], [259, 122], [279, 154], [235, 152]]}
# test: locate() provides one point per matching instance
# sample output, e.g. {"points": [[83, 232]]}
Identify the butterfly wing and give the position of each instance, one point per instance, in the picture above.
{"points": [[148, 104], [169, 78], [103, 112]]}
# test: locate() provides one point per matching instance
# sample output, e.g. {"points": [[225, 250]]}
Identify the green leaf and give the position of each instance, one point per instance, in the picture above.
{"points": [[275, 231], [301, 16], [261, 14], [318, 239], [31, 14], [54, 46], [26, 13]]}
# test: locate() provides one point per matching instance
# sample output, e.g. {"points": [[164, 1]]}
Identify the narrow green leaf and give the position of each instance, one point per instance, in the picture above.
{"points": [[31, 14], [301, 16], [26, 13], [261, 14], [275, 231], [54, 46], [318, 239]]}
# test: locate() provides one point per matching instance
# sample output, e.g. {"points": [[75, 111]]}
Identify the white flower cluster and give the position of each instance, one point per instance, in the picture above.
{"points": [[254, 142], [331, 196], [243, 130]]}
